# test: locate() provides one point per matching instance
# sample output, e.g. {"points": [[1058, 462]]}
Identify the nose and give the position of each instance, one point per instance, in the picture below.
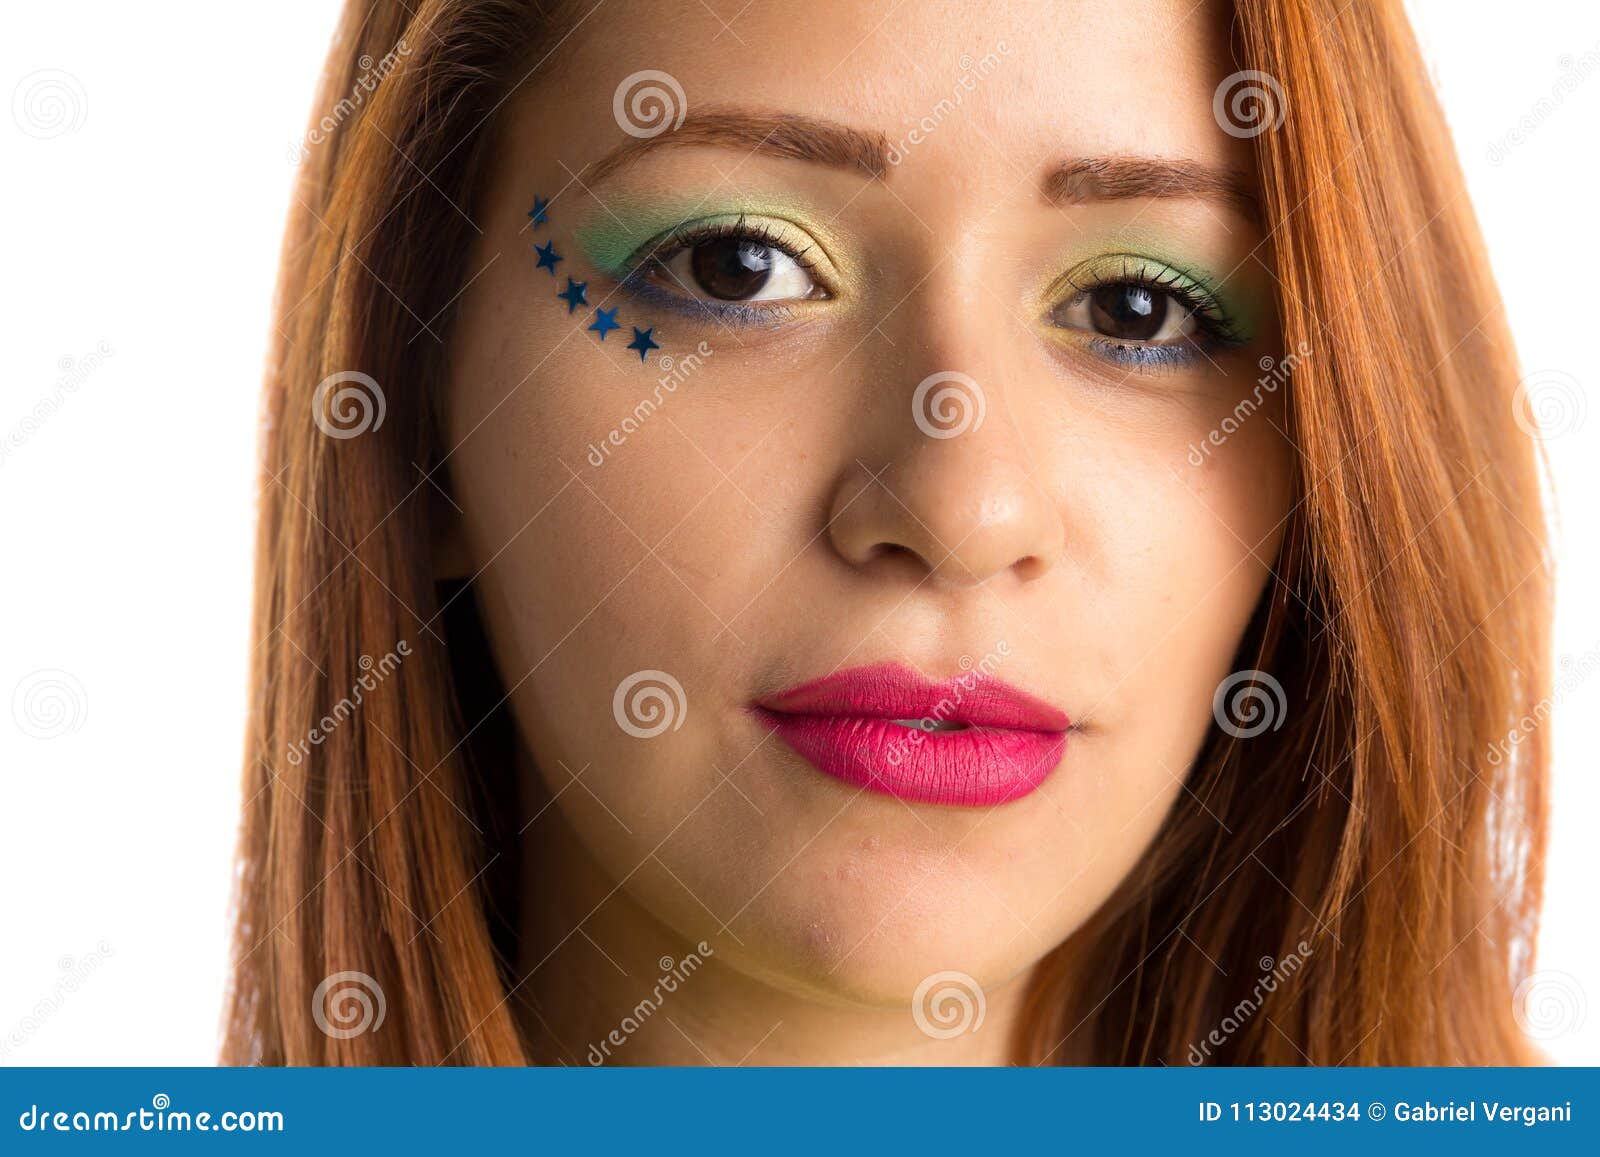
{"points": [[946, 493]]}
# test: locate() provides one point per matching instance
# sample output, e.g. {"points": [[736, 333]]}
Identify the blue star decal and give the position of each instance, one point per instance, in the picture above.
{"points": [[641, 341], [548, 256], [536, 214], [577, 294], [605, 320]]}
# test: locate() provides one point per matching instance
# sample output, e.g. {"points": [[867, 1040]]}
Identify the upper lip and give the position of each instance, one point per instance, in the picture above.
{"points": [[891, 691]]}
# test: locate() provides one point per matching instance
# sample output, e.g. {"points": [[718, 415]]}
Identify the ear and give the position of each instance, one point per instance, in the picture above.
{"points": [[451, 558]]}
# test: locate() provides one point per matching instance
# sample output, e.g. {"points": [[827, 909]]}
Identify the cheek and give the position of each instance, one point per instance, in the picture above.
{"points": [[1171, 565], [624, 523], [1175, 558]]}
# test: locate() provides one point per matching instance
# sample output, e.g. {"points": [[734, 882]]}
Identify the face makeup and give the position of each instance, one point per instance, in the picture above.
{"points": [[577, 292], [612, 239], [969, 741], [780, 506]]}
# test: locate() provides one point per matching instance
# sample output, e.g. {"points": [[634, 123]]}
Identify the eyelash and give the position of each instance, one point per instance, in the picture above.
{"points": [[1192, 292], [654, 254]]}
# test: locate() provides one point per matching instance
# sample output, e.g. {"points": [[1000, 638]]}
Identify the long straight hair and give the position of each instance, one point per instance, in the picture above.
{"points": [[1359, 886]]}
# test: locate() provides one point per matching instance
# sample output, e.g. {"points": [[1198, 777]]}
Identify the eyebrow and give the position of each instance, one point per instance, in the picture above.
{"points": [[788, 135], [1082, 180], [1078, 181]]}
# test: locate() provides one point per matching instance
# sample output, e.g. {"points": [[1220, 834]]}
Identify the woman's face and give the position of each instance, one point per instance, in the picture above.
{"points": [[948, 395]]}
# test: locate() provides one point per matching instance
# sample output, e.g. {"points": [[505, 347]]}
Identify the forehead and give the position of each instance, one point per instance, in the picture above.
{"points": [[1006, 84]]}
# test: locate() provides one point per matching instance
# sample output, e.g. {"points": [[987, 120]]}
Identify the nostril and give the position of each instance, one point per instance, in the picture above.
{"points": [[1030, 568], [892, 550]]}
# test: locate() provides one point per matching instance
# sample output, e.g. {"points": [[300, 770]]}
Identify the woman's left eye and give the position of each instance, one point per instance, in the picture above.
{"points": [[1129, 311], [735, 268]]}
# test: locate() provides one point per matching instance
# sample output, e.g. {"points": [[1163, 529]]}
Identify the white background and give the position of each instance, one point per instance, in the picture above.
{"points": [[149, 227]]}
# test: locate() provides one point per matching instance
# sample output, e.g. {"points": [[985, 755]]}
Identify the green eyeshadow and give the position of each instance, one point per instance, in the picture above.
{"points": [[612, 234]]}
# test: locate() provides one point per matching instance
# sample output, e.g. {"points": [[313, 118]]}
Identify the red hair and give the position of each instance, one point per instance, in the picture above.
{"points": [[1373, 839]]}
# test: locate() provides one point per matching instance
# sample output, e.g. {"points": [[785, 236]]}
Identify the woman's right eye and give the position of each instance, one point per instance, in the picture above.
{"points": [[735, 268]]}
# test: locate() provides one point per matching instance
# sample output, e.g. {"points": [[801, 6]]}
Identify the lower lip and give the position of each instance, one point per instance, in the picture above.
{"points": [[972, 767]]}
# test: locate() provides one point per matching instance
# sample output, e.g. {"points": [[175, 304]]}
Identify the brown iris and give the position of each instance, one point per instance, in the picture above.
{"points": [[731, 268], [1128, 312]]}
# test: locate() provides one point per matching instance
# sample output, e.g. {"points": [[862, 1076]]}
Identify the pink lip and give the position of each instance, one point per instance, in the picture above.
{"points": [[844, 724]]}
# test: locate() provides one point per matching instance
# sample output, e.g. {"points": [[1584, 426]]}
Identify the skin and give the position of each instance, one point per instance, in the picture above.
{"points": [[781, 516]]}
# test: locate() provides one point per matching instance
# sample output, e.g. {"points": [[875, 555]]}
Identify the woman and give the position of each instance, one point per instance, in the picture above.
{"points": [[867, 533]]}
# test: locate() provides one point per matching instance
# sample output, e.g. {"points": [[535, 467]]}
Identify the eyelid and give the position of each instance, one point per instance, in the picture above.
{"points": [[1195, 290], [790, 237], [1108, 268]]}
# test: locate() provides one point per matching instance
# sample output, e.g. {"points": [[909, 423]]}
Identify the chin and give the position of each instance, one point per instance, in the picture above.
{"points": [[871, 937]]}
